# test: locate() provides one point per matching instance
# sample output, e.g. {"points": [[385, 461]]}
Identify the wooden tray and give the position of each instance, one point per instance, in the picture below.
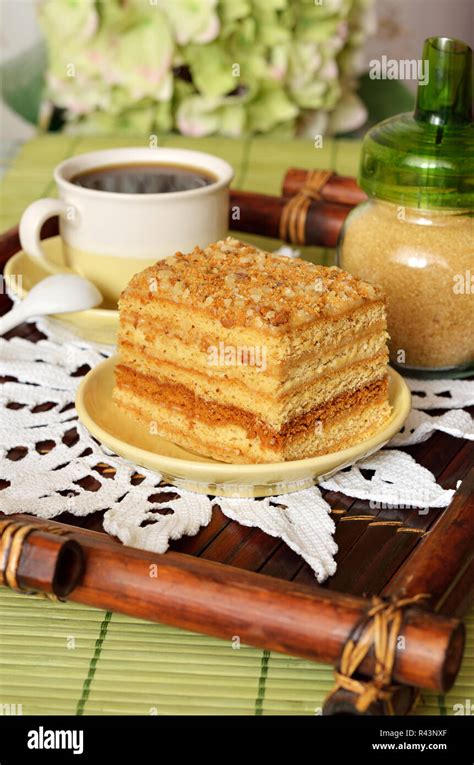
{"points": [[382, 552]]}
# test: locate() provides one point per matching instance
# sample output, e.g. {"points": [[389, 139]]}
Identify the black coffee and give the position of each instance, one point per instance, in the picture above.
{"points": [[143, 179]]}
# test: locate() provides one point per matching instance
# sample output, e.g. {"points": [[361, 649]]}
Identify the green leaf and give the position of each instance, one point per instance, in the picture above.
{"points": [[23, 80], [384, 98]]}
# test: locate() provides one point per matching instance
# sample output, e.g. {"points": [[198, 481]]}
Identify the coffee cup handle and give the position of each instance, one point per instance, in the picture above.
{"points": [[32, 220]]}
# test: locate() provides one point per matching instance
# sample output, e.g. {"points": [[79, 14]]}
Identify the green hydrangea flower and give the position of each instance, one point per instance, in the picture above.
{"points": [[192, 21], [206, 66]]}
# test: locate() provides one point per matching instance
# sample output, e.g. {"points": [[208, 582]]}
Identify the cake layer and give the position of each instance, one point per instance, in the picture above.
{"points": [[275, 407], [250, 364], [361, 422], [177, 397], [162, 319], [328, 429]]}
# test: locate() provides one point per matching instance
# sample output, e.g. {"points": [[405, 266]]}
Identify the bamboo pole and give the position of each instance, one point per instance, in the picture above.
{"points": [[315, 223], [337, 188], [432, 568], [223, 601], [443, 556], [37, 557]]}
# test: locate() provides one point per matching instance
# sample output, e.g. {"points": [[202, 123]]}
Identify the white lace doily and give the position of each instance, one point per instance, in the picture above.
{"points": [[53, 455]]}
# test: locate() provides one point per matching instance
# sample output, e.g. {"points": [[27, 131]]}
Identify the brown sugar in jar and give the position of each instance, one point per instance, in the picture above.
{"points": [[424, 261], [415, 235]]}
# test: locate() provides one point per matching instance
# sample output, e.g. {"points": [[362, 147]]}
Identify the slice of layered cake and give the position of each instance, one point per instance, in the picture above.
{"points": [[248, 356]]}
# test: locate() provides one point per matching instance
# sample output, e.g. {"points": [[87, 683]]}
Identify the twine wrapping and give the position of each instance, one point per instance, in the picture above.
{"points": [[295, 212], [379, 629]]}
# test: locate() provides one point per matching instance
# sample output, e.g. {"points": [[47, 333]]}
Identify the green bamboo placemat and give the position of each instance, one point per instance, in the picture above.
{"points": [[70, 659]]}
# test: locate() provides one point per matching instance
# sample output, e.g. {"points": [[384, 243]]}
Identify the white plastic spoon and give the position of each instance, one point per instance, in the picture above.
{"points": [[60, 293]]}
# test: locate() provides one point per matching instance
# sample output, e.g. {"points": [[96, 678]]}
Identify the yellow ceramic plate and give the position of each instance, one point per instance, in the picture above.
{"points": [[98, 325], [132, 440]]}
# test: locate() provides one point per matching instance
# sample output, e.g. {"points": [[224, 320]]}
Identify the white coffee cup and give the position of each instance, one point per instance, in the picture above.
{"points": [[109, 236]]}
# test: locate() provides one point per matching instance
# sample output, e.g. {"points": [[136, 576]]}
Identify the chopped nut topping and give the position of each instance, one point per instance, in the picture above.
{"points": [[241, 285]]}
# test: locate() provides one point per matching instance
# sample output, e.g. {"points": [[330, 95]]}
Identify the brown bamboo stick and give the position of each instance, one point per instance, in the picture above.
{"points": [[38, 558], [337, 188], [344, 703], [317, 223], [223, 601], [436, 568], [443, 556]]}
